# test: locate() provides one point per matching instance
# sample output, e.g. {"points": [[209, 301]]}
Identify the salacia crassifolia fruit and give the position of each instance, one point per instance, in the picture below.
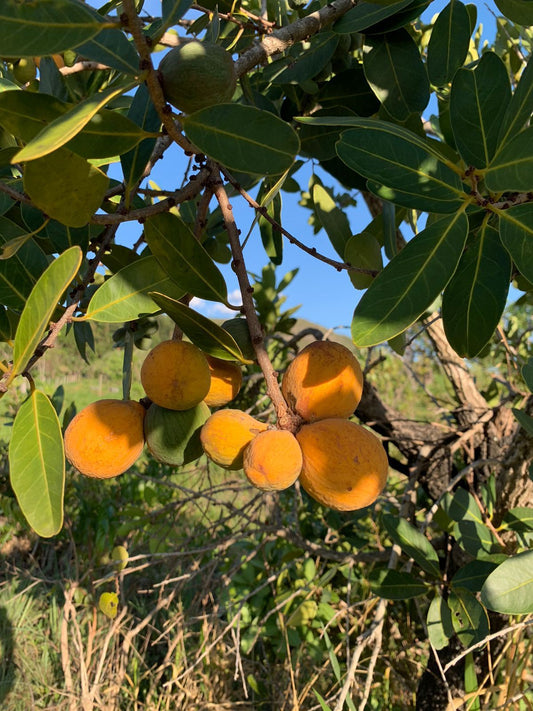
{"points": [[272, 461], [226, 381], [225, 435]]}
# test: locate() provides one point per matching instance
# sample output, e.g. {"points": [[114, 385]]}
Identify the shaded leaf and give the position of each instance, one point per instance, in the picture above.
{"points": [[124, 296], [396, 585], [472, 575], [439, 622], [478, 100], [243, 138], [512, 166], [509, 589], [474, 299], [183, 258], [410, 282], [469, 618], [516, 234], [413, 543], [468, 527], [366, 14], [332, 218], [519, 11], [395, 71], [519, 109], [26, 113], [18, 276], [107, 134], [309, 61], [524, 419], [448, 44], [37, 464], [519, 519], [363, 251], [111, 47], [41, 304], [203, 332], [527, 373], [350, 90]]}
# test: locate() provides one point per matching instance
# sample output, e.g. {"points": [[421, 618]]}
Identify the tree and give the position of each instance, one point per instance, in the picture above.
{"points": [[344, 86]]}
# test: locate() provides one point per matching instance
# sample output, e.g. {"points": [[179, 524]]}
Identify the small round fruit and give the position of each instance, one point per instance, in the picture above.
{"points": [[24, 70], [105, 438], [172, 436], [226, 381], [345, 466], [175, 375], [273, 460], [197, 74], [226, 434], [324, 380]]}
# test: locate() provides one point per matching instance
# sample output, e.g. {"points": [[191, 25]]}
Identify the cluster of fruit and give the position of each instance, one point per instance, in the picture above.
{"points": [[338, 462]]}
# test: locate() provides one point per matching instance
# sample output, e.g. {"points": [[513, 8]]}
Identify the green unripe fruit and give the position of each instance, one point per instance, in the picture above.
{"points": [[24, 70], [172, 436], [197, 74]]}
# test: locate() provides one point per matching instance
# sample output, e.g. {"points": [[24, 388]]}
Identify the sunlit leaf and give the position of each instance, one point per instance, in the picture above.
{"points": [[439, 622], [332, 219], [469, 618], [413, 543], [509, 589], [366, 14]]}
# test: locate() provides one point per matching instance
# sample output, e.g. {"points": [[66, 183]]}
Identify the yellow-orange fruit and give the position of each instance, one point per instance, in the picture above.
{"points": [[175, 375], [273, 460], [105, 438], [324, 380], [226, 381], [225, 435], [345, 466]]}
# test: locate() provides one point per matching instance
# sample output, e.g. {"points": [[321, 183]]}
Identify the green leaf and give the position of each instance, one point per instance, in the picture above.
{"points": [[332, 218], [527, 373], [68, 125], [19, 274], [472, 575], [475, 297], [519, 519], [516, 234], [26, 113], [519, 11], [448, 44], [319, 141], [271, 237], [350, 90], [524, 419], [439, 622], [142, 112], [243, 138], [468, 527], [415, 173], [410, 282], [471, 683], [469, 618], [509, 589], [183, 258], [366, 14], [65, 186], [40, 306], [478, 100], [395, 71], [124, 296], [512, 166], [363, 251], [309, 61], [37, 464], [413, 543], [203, 332], [45, 27], [107, 134], [519, 109], [111, 47], [396, 585]]}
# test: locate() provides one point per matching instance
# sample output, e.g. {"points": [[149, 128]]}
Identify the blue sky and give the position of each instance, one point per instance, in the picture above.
{"points": [[326, 296]]}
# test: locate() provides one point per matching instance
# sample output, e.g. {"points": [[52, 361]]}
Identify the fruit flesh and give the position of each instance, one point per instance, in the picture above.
{"points": [[226, 381], [105, 438], [324, 380], [273, 460], [226, 434], [345, 466], [175, 375]]}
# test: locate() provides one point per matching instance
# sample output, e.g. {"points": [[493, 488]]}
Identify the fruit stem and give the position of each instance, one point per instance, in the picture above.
{"points": [[126, 365], [287, 419]]}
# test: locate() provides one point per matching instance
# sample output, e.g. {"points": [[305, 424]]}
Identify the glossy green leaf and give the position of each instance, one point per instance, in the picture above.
{"points": [[309, 61], [68, 125], [45, 27], [475, 297], [107, 134], [413, 171], [37, 464], [183, 258], [509, 589], [19, 274], [478, 100], [363, 251], [124, 296], [366, 14], [469, 618], [58, 237], [516, 234], [173, 10], [143, 113], [271, 237], [524, 419], [173, 436], [395, 71], [473, 574], [401, 18], [65, 186], [396, 585], [413, 543], [512, 167], [519, 11], [26, 113], [448, 44], [519, 109], [439, 622], [332, 218], [243, 138], [519, 519], [410, 282], [468, 527], [350, 90], [41, 304], [203, 332], [319, 141], [112, 48]]}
